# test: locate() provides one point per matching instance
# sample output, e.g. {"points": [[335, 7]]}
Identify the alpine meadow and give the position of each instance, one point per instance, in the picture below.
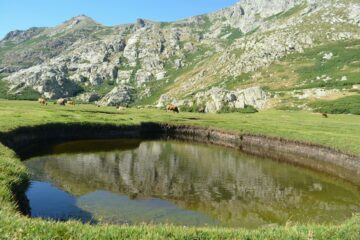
{"points": [[242, 123]]}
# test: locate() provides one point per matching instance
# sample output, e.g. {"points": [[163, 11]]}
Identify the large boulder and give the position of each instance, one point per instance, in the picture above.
{"points": [[254, 96], [216, 99], [119, 96]]}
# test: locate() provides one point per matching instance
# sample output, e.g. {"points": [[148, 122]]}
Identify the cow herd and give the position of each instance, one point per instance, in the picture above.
{"points": [[169, 108], [60, 102], [64, 102]]}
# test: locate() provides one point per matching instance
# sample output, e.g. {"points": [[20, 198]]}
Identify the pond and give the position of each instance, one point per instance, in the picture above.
{"points": [[128, 181]]}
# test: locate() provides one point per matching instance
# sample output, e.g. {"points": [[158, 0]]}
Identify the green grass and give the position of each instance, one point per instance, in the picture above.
{"points": [[247, 109], [102, 89], [299, 125], [307, 127], [233, 82], [349, 105]]}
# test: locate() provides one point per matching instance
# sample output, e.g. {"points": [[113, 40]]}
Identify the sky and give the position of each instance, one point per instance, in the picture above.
{"points": [[23, 14]]}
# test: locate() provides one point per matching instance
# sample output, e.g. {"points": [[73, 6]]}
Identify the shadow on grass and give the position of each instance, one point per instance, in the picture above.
{"points": [[100, 112]]}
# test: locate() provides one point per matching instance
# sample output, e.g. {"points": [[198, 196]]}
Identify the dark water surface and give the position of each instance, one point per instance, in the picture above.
{"points": [[131, 181]]}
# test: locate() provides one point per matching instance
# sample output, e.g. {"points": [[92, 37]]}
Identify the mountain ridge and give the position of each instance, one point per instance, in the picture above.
{"points": [[198, 62]]}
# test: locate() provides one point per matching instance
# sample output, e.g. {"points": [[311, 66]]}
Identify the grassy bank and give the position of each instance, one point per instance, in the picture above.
{"points": [[334, 131], [338, 131]]}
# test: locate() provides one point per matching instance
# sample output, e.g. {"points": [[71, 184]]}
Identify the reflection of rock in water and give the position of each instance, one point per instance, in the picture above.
{"points": [[236, 189]]}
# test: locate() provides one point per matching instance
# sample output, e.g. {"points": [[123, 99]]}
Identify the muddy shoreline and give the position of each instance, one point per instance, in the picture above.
{"points": [[323, 159]]}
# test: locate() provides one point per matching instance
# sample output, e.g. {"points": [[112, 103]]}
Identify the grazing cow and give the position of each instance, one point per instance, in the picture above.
{"points": [[172, 108], [42, 101], [201, 110], [61, 101], [71, 103], [324, 115]]}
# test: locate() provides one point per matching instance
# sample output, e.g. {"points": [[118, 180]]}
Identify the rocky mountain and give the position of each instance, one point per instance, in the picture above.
{"points": [[259, 53]]}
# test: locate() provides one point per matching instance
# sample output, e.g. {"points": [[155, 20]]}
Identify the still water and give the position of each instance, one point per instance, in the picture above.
{"points": [[181, 183]]}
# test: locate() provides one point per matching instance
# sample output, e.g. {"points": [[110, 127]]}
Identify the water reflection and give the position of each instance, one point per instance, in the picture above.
{"points": [[59, 205], [193, 184]]}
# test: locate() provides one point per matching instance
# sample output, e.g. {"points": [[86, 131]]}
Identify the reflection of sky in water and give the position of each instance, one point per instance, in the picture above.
{"points": [[47, 201], [185, 184], [112, 207]]}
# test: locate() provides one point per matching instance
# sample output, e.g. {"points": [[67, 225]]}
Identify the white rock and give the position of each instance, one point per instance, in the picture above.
{"points": [[328, 56], [160, 75]]}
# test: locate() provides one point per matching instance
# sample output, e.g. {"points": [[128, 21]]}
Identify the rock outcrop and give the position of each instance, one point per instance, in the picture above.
{"points": [[218, 99], [119, 96], [51, 82]]}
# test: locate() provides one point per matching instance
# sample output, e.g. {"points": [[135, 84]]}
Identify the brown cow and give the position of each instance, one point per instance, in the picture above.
{"points": [[61, 101], [324, 115], [172, 108], [42, 101], [71, 103]]}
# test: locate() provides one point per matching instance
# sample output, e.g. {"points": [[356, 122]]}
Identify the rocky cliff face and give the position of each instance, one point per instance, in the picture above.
{"points": [[229, 50]]}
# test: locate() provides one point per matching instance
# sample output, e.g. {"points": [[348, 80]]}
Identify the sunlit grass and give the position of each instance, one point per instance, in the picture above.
{"points": [[334, 131]]}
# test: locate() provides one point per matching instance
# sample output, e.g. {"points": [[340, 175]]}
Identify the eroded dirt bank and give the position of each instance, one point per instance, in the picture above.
{"points": [[24, 141]]}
